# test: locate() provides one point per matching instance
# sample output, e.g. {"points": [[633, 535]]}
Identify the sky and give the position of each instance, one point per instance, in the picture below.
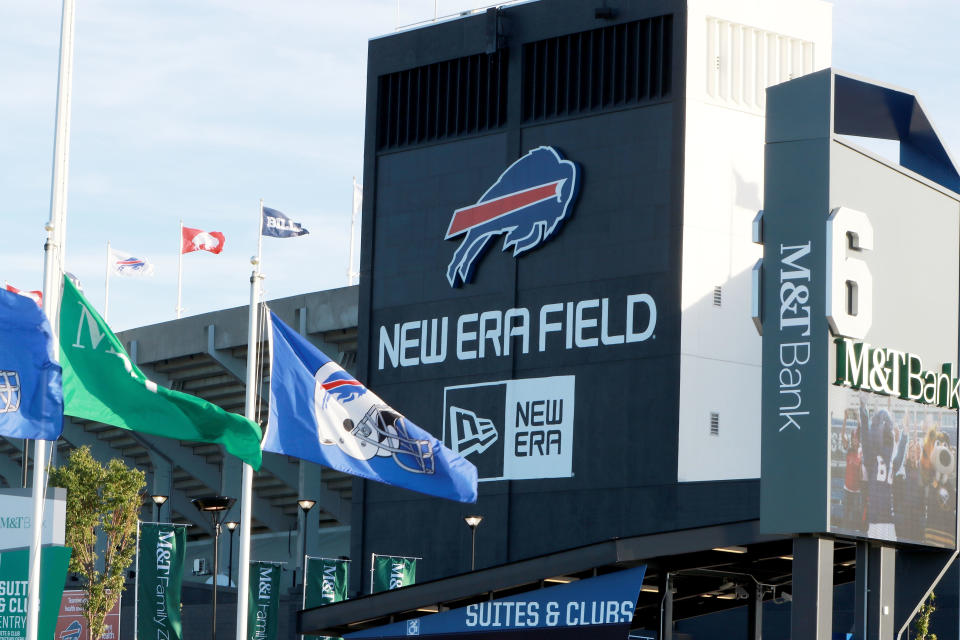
{"points": [[197, 109]]}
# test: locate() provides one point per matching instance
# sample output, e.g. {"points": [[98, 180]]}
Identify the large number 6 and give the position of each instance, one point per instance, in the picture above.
{"points": [[849, 283]]}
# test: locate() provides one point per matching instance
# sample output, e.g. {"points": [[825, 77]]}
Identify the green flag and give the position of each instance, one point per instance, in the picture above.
{"points": [[14, 567], [101, 383], [159, 578], [392, 572], [263, 601], [326, 581]]}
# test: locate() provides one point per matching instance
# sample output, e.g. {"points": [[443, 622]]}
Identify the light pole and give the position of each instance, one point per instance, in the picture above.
{"points": [[159, 500], [230, 527], [473, 522], [216, 506], [305, 506]]}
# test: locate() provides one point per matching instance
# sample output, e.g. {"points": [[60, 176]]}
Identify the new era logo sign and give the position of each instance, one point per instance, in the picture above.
{"points": [[470, 432], [513, 429]]}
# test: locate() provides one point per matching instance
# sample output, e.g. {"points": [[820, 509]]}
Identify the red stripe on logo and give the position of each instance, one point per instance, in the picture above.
{"points": [[475, 214], [339, 383]]}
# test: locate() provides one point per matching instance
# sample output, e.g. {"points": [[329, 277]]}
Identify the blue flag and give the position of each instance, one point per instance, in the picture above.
{"points": [[31, 398], [320, 413], [275, 224]]}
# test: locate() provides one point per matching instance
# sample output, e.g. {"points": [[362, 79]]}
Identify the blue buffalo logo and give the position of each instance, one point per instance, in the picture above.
{"points": [[72, 632], [342, 386], [528, 203]]}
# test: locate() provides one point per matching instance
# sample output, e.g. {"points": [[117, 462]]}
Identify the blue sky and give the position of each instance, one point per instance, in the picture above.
{"points": [[196, 110]]}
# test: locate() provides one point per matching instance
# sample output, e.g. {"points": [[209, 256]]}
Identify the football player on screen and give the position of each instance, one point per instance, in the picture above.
{"points": [[883, 451]]}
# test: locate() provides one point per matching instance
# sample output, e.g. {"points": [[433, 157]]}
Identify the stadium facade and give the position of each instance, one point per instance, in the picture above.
{"points": [[558, 275], [560, 248]]}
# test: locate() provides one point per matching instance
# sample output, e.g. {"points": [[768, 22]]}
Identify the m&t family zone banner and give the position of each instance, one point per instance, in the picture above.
{"points": [[392, 572], [13, 590], [326, 580], [159, 577], [263, 601]]}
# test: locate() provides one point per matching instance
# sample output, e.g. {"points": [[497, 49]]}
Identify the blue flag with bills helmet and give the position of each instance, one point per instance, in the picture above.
{"points": [[276, 224], [31, 396], [320, 413]]}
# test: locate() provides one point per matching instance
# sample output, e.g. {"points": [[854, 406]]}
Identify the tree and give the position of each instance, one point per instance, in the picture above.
{"points": [[103, 500], [921, 624]]}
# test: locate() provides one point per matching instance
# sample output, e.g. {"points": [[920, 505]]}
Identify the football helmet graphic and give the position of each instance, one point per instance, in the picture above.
{"points": [[362, 425]]}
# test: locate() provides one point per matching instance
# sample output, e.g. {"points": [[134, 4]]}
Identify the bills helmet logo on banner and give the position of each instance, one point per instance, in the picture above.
{"points": [[362, 425], [9, 392], [528, 203]]}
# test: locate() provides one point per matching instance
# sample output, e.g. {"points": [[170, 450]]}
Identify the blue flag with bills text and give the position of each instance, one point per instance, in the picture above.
{"points": [[31, 396], [320, 413], [276, 224]]}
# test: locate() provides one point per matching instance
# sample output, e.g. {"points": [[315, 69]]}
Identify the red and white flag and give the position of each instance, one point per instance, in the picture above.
{"points": [[200, 240], [36, 296]]}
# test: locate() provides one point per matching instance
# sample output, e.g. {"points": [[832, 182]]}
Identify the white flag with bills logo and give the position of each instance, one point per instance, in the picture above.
{"points": [[126, 264]]}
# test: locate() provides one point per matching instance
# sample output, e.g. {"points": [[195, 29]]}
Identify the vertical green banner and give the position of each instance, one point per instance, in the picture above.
{"points": [[392, 572], [159, 577], [263, 601], [14, 569], [326, 581]]}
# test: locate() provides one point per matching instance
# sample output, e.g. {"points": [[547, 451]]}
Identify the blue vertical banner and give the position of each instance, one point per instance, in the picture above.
{"points": [[31, 397]]}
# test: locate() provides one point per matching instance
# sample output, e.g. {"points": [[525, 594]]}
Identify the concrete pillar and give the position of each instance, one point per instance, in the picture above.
{"points": [[755, 612], [665, 588], [811, 617]]}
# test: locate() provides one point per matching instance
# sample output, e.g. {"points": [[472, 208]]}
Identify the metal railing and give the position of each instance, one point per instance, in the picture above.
{"points": [[451, 16]]}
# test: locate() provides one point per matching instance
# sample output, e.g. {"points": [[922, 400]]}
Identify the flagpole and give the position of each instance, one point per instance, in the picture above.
{"points": [[179, 269], [52, 276], [136, 585], [353, 222], [246, 495], [106, 287], [373, 556]]}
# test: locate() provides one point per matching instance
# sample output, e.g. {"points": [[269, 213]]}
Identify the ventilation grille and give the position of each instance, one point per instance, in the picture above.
{"points": [[715, 424], [742, 62], [717, 296], [442, 100], [599, 69]]}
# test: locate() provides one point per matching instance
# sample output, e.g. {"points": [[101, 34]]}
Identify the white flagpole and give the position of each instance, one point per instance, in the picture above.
{"points": [[179, 269], [373, 559], [106, 287], [353, 222], [136, 585], [52, 281], [246, 495]]}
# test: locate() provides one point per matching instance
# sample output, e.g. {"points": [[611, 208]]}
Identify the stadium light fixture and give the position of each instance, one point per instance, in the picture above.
{"points": [[159, 500], [233, 524], [305, 506], [217, 507], [731, 549], [473, 522]]}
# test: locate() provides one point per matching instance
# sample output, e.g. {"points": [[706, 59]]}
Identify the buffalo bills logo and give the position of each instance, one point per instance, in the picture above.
{"points": [[341, 386], [131, 264], [72, 632], [528, 203]]}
